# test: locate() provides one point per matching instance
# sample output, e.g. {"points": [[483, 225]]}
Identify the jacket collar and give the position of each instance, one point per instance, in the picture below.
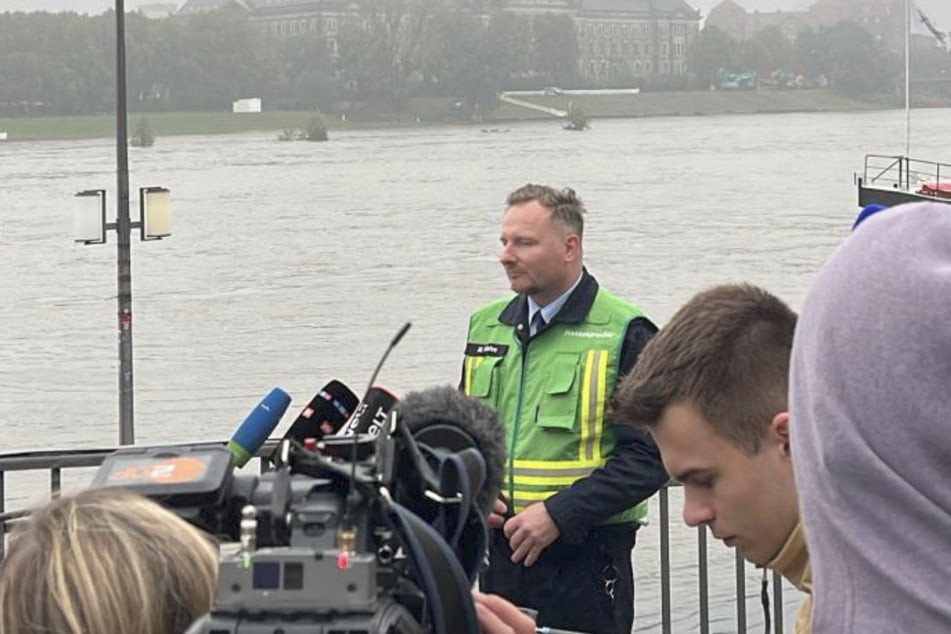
{"points": [[792, 560], [573, 312]]}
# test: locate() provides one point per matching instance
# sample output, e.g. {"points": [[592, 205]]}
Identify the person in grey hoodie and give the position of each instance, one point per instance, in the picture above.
{"points": [[870, 395]]}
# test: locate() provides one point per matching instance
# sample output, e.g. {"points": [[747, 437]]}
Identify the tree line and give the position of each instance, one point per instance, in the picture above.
{"points": [[64, 63], [391, 52], [845, 57]]}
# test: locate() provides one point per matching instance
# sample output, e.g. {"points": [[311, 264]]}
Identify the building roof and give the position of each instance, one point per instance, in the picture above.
{"points": [[201, 6], [664, 7]]}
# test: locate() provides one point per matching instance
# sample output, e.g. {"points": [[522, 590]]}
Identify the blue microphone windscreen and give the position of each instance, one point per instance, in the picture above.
{"points": [[261, 421]]}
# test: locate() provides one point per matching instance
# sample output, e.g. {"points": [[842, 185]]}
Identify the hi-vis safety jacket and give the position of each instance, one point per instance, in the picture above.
{"points": [[551, 392]]}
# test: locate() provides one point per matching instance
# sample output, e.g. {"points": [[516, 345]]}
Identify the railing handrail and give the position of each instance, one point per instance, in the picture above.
{"points": [[884, 170], [56, 460], [906, 167]]}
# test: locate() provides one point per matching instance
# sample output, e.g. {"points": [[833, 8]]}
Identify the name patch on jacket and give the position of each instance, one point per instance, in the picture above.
{"points": [[486, 349]]}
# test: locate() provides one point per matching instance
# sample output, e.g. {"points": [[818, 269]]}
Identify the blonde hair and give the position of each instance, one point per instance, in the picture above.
{"points": [[106, 561]]}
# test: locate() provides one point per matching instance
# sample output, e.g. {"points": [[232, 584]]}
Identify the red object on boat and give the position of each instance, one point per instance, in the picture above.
{"points": [[939, 189]]}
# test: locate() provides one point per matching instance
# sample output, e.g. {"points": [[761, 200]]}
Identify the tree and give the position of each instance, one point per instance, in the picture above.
{"points": [[142, 137], [308, 76], [508, 38], [555, 48], [711, 51], [768, 50], [849, 57], [457, 58], [379, 48]]}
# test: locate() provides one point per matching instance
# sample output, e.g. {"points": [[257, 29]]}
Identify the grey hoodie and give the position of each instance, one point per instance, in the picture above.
{"points": [[870, 403]]}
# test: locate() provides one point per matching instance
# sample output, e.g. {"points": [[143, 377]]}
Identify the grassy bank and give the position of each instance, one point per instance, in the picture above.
{"points": [[434, 111], [162, 124]]}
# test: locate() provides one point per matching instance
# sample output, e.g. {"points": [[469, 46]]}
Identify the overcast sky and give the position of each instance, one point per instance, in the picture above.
{"points": [[938, 10]]}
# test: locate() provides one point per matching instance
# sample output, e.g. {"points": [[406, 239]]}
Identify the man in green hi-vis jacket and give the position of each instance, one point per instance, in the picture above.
{"points": [[576, 485]]}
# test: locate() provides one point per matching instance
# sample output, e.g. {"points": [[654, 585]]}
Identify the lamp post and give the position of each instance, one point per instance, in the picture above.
{"points": [[89, 227], [154, 223], [126, 410]]}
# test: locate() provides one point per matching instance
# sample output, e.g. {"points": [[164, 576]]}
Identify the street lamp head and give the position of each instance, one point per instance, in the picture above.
{"points": [[156, 209], [89, 216]]}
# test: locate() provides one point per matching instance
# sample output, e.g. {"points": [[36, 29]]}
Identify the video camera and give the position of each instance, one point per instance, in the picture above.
{"points": [[348, 535]]}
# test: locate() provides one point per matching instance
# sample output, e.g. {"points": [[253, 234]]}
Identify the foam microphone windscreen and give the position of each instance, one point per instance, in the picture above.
{"points": [[443, 418], [258, 425]]}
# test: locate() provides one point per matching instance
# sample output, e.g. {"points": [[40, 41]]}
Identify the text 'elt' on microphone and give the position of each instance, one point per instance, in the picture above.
{"points": [[371, 414], [258, 425]]}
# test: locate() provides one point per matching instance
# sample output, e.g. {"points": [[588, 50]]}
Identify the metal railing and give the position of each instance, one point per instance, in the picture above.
{"points": [[55, 461], [902, 172]]}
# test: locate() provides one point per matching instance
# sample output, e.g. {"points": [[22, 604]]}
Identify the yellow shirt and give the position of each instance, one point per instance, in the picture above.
{"points": [[792, 562]]}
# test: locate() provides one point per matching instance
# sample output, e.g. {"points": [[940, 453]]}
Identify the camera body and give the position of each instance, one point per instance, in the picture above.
{"points": [[326, 542]]}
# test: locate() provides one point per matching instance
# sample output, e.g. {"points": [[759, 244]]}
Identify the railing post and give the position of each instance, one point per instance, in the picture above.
{"points": [[3, 525], [665, 561], [740, 593], [56, 481], [778, 602], [704, 582]]}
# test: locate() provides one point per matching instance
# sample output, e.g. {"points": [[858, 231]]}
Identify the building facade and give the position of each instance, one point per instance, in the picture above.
{"points": [[617, 39], [634, 38]]}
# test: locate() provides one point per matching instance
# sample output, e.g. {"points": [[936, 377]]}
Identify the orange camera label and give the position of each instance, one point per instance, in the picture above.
{"points": [[169, 471]]}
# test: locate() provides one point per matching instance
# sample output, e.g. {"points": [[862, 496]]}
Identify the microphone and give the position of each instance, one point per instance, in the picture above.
{"points": [[370, 416], [348, 512], [327, 413], [443, 419], [258, 425]]}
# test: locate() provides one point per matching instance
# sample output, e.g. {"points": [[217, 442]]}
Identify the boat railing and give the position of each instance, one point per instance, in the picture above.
{"points": [[54, 462], [902, 172]]}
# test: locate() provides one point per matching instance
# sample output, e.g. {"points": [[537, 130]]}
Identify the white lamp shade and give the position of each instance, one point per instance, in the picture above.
{"points": [[89, 212], [157, 212]]}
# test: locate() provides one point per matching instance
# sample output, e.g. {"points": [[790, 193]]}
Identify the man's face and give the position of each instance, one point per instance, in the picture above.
{"points": [[539, 255], [748, 501]]}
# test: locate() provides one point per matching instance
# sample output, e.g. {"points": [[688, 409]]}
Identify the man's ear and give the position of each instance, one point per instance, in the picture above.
{"points": [[779, 433], [572, 247]]}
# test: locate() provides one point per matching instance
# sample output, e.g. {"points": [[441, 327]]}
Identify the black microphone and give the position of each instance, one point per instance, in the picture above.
{"points": [[370, 417], [443, 419], [324, 415], [348, 512]]}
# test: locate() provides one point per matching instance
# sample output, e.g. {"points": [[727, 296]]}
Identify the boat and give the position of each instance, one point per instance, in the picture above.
{"points": [[893, 180]]}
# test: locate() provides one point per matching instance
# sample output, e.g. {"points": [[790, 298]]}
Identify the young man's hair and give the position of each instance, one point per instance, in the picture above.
{"points": [[564, 204], [106, 561], [726, 353]]}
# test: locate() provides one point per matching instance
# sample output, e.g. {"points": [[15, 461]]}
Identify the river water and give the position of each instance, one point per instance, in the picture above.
{"points": [[293, 263]]}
